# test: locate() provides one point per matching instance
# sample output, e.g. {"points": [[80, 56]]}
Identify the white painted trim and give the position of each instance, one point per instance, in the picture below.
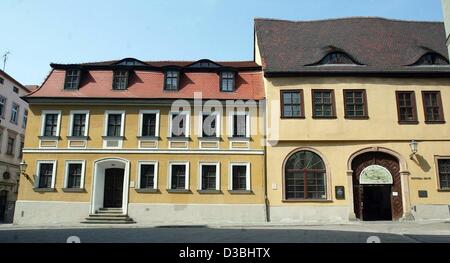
{"points": [[155, 176], [231, 123], [122, 124], [188, 114], [248, 175], [200, 167], [86, 129], [141, 113], [66, 173], [200, 124], [126, 182], [43, 114], [169, 177], [147, 151], [38, 168]]}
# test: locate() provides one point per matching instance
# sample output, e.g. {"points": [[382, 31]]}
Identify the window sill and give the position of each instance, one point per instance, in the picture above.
{"points": [[49, 137], [210, 192], [179, 191], [157, 138], [292, 118], [356, 118], [325, 117], [307, 201], [247, 139], [210, 139], [435, 122], [408, 122], [443, 190], [179, 139], [147, 191], [113, 137], [74, 190], [84, 138], [44, 190], [240, 192]]}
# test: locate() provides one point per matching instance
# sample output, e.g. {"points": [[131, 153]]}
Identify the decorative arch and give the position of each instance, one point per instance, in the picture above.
{"points": [[401, 159], [327, 172]]}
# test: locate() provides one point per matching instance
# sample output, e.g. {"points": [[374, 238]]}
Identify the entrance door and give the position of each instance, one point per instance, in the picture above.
{"points": [[113, 188], [3, 202], [376, 203]]}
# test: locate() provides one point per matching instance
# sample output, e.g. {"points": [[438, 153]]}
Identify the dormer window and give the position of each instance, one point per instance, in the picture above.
{"points": [[336, 58], [430, 59], [227, 81], [72, 80], [120, 80], [172, 80]]}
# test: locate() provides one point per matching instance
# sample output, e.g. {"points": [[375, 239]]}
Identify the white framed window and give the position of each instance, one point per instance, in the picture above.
{"points": [[147, 175], [209, 125], [2, 107], [239, 177], [114, 123], [178, 177], [74, 174], [149, 123], [79, 123], [179, 124], [25, 119], [209, 176], [45, 174], [50, 123], [15, 113], [239, 124]]}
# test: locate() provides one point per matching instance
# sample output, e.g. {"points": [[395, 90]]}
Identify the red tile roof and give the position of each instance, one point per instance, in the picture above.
{"points": [[149, 85]]}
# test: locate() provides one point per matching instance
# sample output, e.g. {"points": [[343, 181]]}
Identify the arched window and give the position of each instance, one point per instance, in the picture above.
{"points": [[431, 58], [336, 58], [305, 176]]}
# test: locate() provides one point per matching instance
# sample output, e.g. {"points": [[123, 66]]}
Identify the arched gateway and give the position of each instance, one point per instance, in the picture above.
{"points": [[377, 186]]}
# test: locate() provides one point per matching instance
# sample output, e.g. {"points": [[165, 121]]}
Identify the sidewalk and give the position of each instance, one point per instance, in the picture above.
{"points": [[402, 228]]}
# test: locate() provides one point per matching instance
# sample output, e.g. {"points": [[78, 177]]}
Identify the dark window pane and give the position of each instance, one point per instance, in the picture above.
{"points": [[147, 176], [178, 177], [149, 124], [291, 102], [323, 104], [172, 80], [209, 177], [444, 173], [45, 175], [227, 83], [120, 80], [50, 124], [79, 124], [239, 125], [239, 177], [179, 125], [74, 175], [209, 126], [72, 79], [114, 124]]}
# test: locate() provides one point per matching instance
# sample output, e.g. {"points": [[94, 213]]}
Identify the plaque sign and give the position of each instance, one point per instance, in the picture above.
{"points": [[375, 174]]}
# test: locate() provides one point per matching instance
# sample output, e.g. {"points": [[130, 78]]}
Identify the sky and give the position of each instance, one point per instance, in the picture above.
{"points": [[40, 32]]}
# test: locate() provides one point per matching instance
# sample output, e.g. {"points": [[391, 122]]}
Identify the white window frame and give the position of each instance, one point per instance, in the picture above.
{"points": [[169, 179], [200, 123], [25, 118], [86, 129], [200, 169], [122, 121], [155, 176], [141, 118], [187, 133], [38, 168], [247, 124], [43, 116], [16, 121], [248, 175], [4, 103], [66, 173]]}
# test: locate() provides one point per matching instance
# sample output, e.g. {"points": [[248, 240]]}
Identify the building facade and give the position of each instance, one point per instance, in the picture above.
{"points": [[13, 120], [108, 139], [356, 120]]}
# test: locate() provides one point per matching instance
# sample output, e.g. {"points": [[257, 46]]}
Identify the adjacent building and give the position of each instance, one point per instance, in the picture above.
{"points": [[13, 120], [446, 9], [357, 119], [149, 142]]}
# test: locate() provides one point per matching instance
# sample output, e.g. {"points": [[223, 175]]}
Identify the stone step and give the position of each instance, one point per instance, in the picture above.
{"points": [[115, 215], [109, 212], [109, 222], [94, 219]]}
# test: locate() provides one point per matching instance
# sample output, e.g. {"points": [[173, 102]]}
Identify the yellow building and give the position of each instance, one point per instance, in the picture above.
{"points": [[150, 142], [356, 119]]}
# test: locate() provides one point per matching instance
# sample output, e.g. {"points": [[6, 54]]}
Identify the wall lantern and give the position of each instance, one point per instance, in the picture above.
{"points": [[23, 168], [413, 145]]}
